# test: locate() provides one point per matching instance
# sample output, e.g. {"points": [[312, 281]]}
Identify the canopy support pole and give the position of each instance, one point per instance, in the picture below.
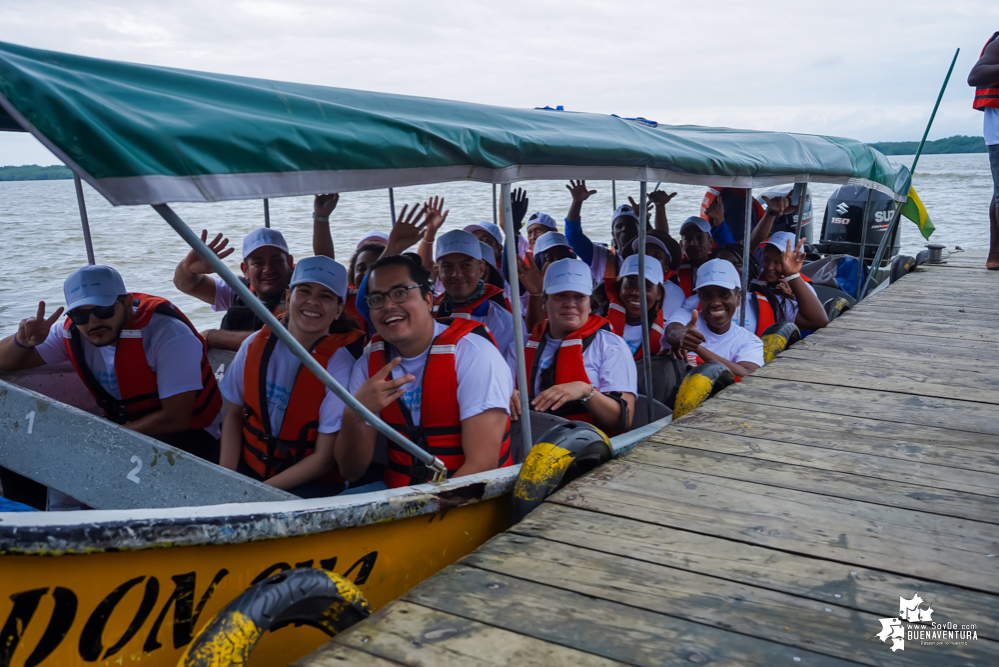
{"points": [[267, 213], [614, 194], [800, 187], [876, 262], [494, 203], [392, 205], [863, 241], [748, 230], [512, 260], [643, 300], [279, 330], [84, 220]]}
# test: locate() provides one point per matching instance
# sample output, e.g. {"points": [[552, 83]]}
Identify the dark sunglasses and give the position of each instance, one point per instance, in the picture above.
{"points": [[80, 316]]}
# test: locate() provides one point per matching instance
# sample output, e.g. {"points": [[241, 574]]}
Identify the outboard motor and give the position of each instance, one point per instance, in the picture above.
{"points": [[789, 222], [842, 225]]}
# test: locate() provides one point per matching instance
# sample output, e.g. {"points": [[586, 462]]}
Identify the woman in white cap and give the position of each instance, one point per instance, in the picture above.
{"points": [[624, 311], [283, 421], [710, 334], [577, 367], [548, 248]]}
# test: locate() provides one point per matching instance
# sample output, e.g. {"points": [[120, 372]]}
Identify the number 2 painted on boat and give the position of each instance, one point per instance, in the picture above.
{"points": [[31, 421], [133, 475]]}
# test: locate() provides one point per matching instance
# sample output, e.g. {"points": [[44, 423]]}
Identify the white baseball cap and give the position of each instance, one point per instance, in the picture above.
{"points": [[549, 240], [652, 240], [489, 228], [568, 275], [262, 237], [93, 285], [624, 210], [700, 223], [458, 241], [653, 269], [374, 237], [720, 272], [323, 270], [488, 254], [540, 218], [779, 240]]}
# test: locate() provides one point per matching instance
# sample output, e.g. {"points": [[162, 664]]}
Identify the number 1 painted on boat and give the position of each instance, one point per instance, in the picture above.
{"points": [[31, 421]]}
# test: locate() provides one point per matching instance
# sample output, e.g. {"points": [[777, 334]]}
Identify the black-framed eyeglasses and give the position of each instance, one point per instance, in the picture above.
{"points": [[80, 316], [376, 300]]}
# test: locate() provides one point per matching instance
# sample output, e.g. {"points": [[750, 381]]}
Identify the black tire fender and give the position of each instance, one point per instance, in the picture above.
{"points": [[701, 383], [777, 338], [565, 452], [835, 307], [309, 596]]}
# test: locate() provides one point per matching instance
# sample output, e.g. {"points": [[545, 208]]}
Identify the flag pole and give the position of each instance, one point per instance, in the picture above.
{"points": [[876, 262]]}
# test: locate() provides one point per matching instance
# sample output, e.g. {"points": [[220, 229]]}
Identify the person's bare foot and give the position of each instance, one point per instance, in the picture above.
{"points": [[992, 262]]}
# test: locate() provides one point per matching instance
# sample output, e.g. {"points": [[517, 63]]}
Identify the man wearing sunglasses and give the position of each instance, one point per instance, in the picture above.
{"points": [[451, 395], [139, 356]]}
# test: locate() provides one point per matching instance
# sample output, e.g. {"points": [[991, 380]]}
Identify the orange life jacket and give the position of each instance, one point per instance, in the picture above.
{"points": [[269, 454], [439, 432], [567, 366], [616, 315], [478, 308], [136, 380], [987, 97], [685, 272]]}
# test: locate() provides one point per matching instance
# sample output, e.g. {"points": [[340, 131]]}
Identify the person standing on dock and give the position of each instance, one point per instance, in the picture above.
{"points": [[984, 77]]}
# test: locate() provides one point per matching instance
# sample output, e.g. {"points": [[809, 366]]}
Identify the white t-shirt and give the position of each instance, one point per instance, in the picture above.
{"points": [[484, 380], [991, 126], [736, 344], [281, 374], [224, 295], [172, 351], [608, 362], [598, 263], [689, 305]]}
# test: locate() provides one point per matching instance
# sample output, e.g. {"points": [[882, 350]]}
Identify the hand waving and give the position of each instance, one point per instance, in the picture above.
{"points": [[377, 393], [792, 260], [530, 277], [324, 205], [34, 330], [435, 218], [660, 198], [518, 205], [407, 230], [193, 261], [578, 191]]}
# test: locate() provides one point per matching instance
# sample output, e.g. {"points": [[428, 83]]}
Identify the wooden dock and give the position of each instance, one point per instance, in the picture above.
{"points": [[774, 525]]}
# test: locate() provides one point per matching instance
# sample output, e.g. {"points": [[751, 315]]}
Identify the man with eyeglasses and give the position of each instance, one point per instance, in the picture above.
{"points": [[139, 356], [451, 394]]}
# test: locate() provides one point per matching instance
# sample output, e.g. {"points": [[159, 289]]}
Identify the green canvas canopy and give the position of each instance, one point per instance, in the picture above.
{"points": [[149, 135]]}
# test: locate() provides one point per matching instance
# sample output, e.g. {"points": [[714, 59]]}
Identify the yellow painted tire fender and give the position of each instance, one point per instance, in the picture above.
{"points": [[564, 453], [777, 338], [702, 382], [309, 596]]}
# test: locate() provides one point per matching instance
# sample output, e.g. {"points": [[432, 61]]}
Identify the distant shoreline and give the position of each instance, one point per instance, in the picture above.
{"points": [[32, 172]]}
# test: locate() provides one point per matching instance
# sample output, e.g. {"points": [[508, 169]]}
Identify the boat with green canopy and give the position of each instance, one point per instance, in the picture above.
{"points": [[173, 538]]}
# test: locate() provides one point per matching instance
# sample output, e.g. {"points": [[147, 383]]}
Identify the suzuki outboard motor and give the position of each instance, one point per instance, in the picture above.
{"points": [[789, 222], [843, 223]]}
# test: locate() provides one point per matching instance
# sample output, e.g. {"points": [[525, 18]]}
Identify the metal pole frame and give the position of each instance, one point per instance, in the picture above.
{"points": [[614, 194], [643, 300], [745, 256], [267, 213], [510, 242], [801, 188], [863, 241], [296, 348], [392, 205], [84, 220], [495, 219]]}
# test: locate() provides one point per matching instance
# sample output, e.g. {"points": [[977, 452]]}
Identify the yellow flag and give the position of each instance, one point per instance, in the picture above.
{"points": [[914, 210]]}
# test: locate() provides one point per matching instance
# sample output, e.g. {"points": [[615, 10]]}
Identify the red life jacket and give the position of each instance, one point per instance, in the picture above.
{"points": [[987, 97], [269, 454], [136, 380], [714, 193], [567, 366], [616, 315], [685, 273], [439, 432], [478, 308], [351, 309]]}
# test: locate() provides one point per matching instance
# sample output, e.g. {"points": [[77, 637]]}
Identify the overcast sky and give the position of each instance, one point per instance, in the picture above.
{"points": [[868, 69]]}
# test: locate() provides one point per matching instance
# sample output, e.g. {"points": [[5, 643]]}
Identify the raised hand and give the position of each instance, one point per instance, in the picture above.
{"points": [[792, 260], [716, 212], [407, 230], [660, 198], [33, 331], [518, 205], [193, 261], [578, 191], [435, 218], [530, 277], [377, 393], [555, 397], [692, 338], [780, 205], [324, 205]]}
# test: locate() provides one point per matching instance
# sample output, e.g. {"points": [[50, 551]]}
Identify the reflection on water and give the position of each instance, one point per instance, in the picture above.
{"points": [[43, 242]]}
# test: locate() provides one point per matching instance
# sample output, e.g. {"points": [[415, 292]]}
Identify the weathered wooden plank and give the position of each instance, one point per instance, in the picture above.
{"points": [[973, 358], [901, 380], [929, 445], [845, 335], [610, 629], [722, 603], [903, 316], [854, 586], [332, 654], [870, 479], [925, 361], [928, 299], [920, 545], [866, 321], [412, 634], [956, 415]]}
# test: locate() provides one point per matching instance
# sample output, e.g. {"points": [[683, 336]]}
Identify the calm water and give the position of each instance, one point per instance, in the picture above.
{"points": [[43, 242]]}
